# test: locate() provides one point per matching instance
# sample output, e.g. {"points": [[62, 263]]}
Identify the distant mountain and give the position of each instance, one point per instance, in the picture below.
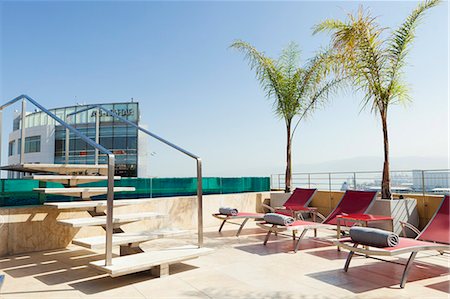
{"points": [[345, 165], [375, 164]]}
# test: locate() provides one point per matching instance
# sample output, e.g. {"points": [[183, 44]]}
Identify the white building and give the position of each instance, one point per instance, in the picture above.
{"points": [[45, 140]]}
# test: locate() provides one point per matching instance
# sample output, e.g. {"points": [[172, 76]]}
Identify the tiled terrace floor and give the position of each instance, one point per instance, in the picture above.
{"points": [[239, 268]]}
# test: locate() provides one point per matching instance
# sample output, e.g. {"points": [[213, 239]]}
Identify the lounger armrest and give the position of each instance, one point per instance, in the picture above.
{"points": [[410, 226], [320, 216], [268, 207]]}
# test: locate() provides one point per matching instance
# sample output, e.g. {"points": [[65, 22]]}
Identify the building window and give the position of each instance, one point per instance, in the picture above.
{"points": [[16, 123], [11, 148], [32, 144]]}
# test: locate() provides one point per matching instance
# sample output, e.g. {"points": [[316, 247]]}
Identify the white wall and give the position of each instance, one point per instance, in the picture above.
{"points": [[47, 153]]}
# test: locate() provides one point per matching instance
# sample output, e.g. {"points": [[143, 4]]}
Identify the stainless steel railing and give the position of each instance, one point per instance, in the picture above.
{"points": [[424, 181], [197, 158], [111, 161]]}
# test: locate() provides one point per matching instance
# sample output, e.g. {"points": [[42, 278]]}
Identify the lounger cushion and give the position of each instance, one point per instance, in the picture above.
{"points": [[373, 237], [228, 211], [279, 219]]}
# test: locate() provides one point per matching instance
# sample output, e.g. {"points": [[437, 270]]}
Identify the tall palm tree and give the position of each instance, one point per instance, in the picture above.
{"points": [[295, 91], [375, 63]]}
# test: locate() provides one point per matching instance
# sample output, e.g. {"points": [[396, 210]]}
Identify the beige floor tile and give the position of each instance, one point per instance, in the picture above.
{"points": [[239, 268]]}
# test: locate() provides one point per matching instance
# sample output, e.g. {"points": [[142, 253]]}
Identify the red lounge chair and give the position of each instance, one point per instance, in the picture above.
{"points": [[245, 216], [297, 204], [435, 236], [352, 202]]}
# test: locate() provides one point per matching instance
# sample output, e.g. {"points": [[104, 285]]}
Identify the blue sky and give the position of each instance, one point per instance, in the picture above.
{"points": [[174, 58]]}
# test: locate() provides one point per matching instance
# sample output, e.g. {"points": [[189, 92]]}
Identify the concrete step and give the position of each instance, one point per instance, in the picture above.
{"points": [[81, 192], [128, 264], [117, 219], [93, 204], [98, 242], [84, 169], [70, 180]]}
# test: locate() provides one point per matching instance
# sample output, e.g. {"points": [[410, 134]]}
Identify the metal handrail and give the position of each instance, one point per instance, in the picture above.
{"points": [[111, 163], [172, 145], [365, 177]]}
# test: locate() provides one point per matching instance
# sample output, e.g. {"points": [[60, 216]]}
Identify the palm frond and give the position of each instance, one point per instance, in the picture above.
{"points": [[401, 40]]}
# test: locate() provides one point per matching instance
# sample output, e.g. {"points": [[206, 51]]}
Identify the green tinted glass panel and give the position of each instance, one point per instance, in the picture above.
{"points": [[16, 192]]}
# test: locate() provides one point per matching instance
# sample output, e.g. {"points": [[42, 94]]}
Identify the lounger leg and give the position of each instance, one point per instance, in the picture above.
{"points": [[299, 239], [268, 234], [338, 232], [349, 258], [241, 227], [313, 216], [221, 226], [407, 269]]}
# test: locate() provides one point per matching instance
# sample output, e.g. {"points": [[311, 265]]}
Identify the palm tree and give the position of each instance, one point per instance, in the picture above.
{"points": [[296, 91], [375, 63]]}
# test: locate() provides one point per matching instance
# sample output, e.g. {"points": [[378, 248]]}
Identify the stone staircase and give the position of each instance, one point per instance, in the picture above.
{"points": [[132, 258]]}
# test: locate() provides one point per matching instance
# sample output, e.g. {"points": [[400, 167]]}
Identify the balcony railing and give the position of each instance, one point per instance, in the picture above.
{"points": [[429, 181]]}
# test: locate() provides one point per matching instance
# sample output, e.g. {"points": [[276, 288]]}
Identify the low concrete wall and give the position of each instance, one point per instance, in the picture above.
{"points": [[35, 228]]}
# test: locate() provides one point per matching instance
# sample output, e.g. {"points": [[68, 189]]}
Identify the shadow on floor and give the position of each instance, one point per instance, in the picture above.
{"points": [[47, 261], [282, 245], [228, 232], [443, 286], [330, 254], [106, 283], [253, 294], [378, 274]]}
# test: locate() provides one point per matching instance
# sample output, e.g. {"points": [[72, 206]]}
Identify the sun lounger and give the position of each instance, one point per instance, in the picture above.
{"points": [[352, 202], [239, 215], [297, 204], [435, 236]]}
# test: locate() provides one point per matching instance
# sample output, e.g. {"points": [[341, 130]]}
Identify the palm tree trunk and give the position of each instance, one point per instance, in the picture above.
{"points": [[288, 174], [386, 181]]}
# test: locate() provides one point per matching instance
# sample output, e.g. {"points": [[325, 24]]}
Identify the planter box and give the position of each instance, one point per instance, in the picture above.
{"points": [[400, 209]]}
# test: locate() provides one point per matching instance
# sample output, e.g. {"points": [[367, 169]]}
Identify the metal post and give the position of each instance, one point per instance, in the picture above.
{"points": [[423, 182], [279, 181], [67, 146], [97, 133], [109, 210], [309, 180], [354, 180], [1, 122], [22, 135], [329, 181], [200, 203]]}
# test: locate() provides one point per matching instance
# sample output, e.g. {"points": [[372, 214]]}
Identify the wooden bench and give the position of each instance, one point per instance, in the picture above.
{"points": [[158, 260], [82, 192], [98, 242], [117, 219]]}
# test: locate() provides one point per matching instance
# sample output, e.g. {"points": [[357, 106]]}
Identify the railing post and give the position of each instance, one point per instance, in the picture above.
{"points": [[279, 181], [67, 146], [199, 203], [22, 135], [354, 180], [309, 180], [151, 187], [1, 129], [109, 210], [329, 181], [423, 182], [97, 133]]}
